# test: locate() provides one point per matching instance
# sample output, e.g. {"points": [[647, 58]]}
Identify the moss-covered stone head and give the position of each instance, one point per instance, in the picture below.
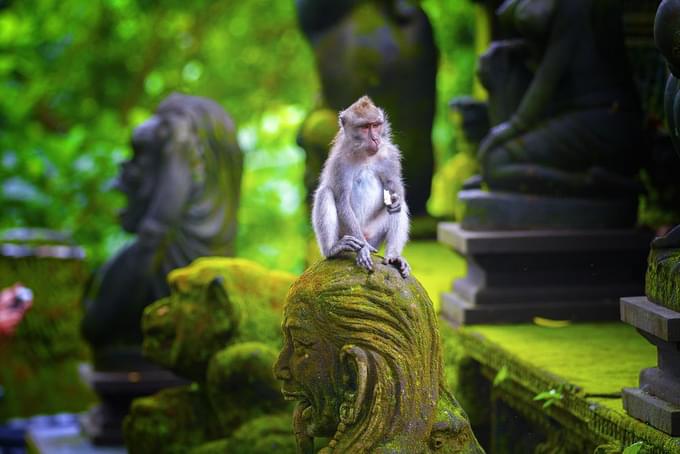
{"points": [[214, 302], [183, 331], [361, 356]]}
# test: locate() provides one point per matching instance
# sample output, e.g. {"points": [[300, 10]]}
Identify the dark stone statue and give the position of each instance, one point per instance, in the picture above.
{"points": [[657, 316], [182, 185], [384, 49], [663, 273], [565, 116], [362, 357]]}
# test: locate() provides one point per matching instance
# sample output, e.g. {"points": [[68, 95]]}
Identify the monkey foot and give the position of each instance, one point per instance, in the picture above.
{"points": [[364, 259], [400, 264], [349, 243]]}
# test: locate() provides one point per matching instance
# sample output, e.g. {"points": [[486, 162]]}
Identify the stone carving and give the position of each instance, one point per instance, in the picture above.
{"points": [[565, 116], [657, 316], [383, 49], [663, 278], [220, 328], [362, 357], [183, 187]]}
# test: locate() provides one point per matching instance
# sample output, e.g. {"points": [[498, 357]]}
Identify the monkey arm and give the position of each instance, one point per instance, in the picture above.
{"points": [[325, 219], [395, 240], [397, 233], [389, 173], [326, 226]]}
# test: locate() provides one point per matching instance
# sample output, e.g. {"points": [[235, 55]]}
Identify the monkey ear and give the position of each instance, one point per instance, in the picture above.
{"points": [[342, 118]]}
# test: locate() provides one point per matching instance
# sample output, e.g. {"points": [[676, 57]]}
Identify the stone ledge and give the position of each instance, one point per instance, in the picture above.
{"points": [[651, 318]]}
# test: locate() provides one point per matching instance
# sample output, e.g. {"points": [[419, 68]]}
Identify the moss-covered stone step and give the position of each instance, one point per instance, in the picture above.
{"points": [[529, 386]]}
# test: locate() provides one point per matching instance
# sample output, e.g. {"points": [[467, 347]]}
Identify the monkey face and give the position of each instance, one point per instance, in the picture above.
{"points": [[367, 136], [370, 135], [364, 123]]}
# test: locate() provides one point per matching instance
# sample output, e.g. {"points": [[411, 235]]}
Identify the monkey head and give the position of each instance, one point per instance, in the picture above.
{"points": [[667, 33], [365, 126]]}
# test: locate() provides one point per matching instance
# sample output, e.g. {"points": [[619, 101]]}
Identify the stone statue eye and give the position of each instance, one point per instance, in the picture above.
{"points": [[301, 344]]}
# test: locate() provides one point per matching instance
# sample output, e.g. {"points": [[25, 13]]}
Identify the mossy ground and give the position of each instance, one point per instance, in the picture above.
{"points": [[601, 358], [435, 266]]}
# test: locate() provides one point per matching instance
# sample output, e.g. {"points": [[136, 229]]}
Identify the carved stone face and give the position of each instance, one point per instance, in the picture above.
{"points": [[308, 366], [139, 175]]}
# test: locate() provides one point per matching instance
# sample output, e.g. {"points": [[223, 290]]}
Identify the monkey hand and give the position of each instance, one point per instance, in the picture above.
{"points": [[395, 203], [349, 243], [364, 259], [399, 263]]}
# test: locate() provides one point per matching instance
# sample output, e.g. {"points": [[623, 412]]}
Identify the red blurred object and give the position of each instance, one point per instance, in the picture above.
{"points": [[14, 302]]}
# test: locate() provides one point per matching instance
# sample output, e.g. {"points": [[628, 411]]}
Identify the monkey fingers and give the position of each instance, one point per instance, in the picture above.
{"points": [[394, 208], [364, 258], [400, 264], [347, 243]]}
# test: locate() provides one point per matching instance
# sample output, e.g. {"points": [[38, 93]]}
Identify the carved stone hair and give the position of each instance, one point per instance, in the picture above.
{"points": [[393, 321]]}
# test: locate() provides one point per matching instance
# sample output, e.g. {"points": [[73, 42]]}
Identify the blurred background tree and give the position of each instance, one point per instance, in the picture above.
{"points": [[77, 76]]}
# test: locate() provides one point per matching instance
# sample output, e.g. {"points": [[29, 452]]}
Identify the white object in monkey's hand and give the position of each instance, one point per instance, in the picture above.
{"points": [[391, 201], [387, 197]]}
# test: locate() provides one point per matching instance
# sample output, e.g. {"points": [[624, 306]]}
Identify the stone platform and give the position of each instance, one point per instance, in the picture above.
{"points": [[657, 399], [530, 388], [514, 276], [496, 210]]}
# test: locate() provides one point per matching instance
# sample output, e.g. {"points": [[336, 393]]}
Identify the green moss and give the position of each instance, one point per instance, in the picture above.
{"points": [[600, 358], [241, 385], [38, 366], [221, 328], [179, 414], [268, 434], [662, 284], [592, 363]]}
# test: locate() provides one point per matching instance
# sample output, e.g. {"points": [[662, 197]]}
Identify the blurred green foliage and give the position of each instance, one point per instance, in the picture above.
{"points": [[76, 76]]}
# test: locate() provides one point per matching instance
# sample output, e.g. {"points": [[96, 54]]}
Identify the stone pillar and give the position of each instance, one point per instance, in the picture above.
{"points": [[548, 227], [657, 316]]}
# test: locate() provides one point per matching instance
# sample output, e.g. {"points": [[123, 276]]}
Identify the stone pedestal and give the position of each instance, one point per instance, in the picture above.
{"points": [[657, 400], [116, 390], [514, 276]]}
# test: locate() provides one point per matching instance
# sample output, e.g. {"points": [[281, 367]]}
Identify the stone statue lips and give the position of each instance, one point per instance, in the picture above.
{"points": [[304, 405]]}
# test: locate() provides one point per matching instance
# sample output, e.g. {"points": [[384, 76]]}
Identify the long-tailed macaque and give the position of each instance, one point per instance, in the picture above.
{"points": [[360, 199]]}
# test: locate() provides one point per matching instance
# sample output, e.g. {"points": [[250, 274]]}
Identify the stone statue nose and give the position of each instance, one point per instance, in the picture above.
{"points": [[281, 370]]}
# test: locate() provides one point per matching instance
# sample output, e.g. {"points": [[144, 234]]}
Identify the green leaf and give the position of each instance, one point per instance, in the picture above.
{"points": [[635, 448], [501, 376]]}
